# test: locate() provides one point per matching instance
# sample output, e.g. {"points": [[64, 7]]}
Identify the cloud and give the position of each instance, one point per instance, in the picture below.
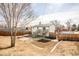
{"points": [[58, 11], [46, 8], [52, 8], [60, 16]]}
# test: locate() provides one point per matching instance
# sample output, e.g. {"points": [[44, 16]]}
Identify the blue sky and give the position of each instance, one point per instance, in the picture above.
{"points": [[56, 11], [46, 8], [39, 8]]}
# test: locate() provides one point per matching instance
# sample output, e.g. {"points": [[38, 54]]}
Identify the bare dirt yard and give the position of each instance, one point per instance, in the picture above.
{"points": [[27, 46]]}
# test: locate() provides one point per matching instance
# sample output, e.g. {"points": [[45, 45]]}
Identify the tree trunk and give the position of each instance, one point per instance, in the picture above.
{"points": [[13, 37], [12, 41]]}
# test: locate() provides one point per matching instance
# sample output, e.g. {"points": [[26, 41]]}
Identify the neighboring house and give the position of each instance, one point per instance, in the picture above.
{"points": [[42, 29], [52, 28]]}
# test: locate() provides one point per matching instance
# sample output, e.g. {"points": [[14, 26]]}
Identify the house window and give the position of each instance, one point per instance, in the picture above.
{"points": [[26, 28]]}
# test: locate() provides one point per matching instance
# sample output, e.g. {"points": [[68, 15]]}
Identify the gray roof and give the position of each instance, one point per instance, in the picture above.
{"points": [[42, 25]]}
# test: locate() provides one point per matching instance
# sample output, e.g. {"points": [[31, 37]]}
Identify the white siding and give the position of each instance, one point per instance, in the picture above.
{"points": [[52, 28]]}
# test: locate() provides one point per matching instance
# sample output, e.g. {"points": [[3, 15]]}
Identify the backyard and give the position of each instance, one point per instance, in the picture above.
{"points": [[29, 30], [27, 46]]}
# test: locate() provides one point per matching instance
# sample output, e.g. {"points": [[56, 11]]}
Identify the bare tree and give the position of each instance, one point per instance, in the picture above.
{"points": [[13, 13], [78, 27], [74, 27], [68, 23], [56, 24], [57, 27]]}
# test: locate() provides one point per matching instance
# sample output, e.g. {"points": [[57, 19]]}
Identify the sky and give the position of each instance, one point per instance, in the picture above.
{"points": [[47, 8], [56, 11]]}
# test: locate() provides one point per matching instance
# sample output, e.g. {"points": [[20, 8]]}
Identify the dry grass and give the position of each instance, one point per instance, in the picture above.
{"points": [[23, 47], [67, 48], [29, 47]]}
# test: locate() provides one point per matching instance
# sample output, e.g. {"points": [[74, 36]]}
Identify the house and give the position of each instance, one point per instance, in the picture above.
{"points": [[42, 29]]}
